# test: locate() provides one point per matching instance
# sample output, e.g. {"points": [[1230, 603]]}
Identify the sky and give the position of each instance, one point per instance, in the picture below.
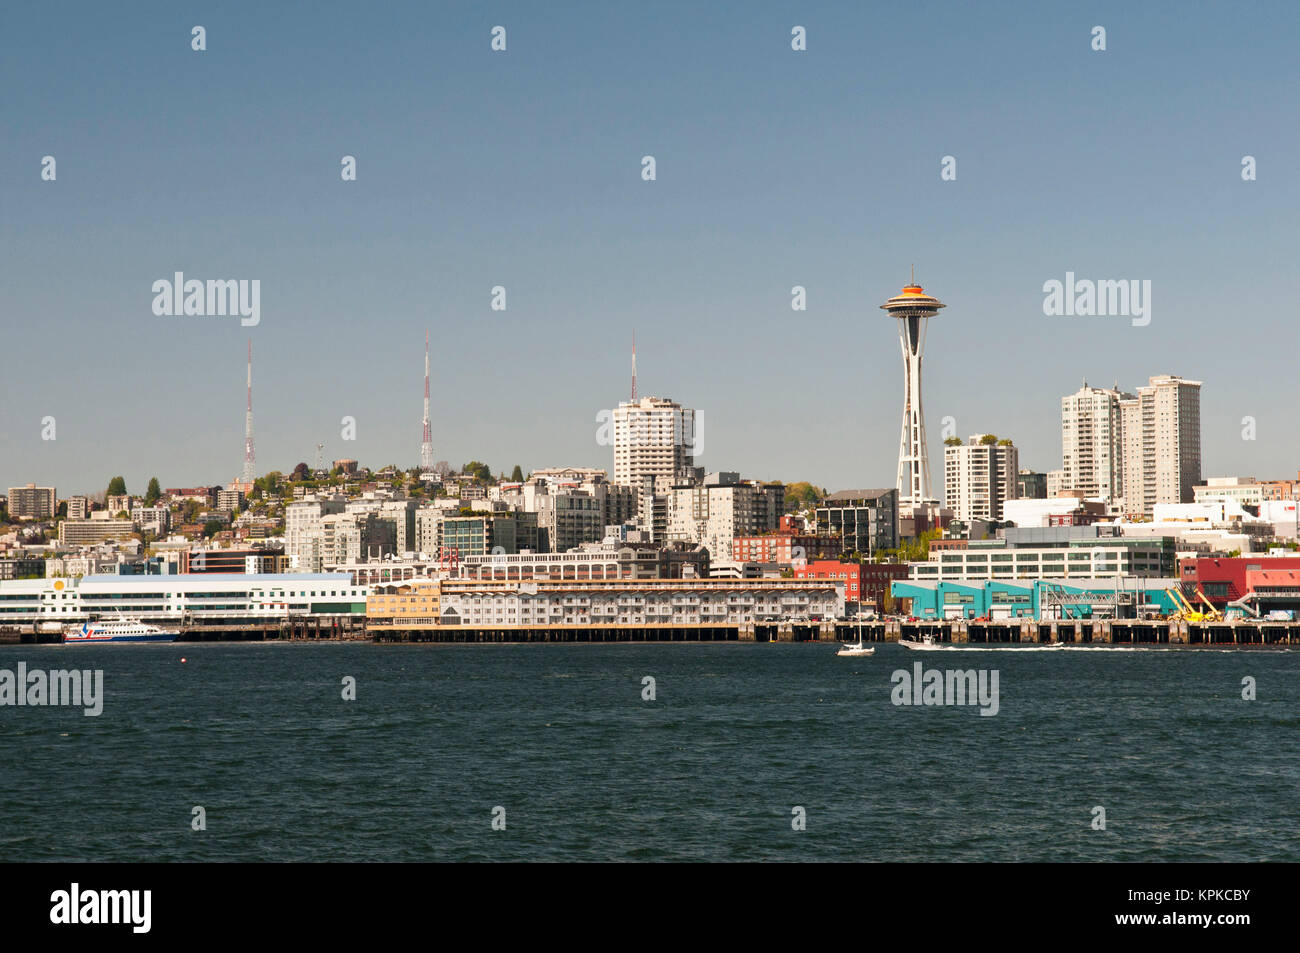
{"points": [[523, 169]]}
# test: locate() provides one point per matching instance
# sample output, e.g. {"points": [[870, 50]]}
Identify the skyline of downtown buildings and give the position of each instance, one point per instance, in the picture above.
{"points": [[1110, 439]]}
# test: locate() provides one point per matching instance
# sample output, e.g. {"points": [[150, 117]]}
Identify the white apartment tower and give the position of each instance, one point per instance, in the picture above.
{"points": [[1162, 443], [1092, 442], [979, 476], [653, 437]]}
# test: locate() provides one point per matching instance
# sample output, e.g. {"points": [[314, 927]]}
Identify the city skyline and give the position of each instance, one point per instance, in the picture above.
{"points": [[761, 187]]}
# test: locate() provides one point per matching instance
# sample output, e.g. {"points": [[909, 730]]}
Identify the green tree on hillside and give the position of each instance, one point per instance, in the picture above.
{"points": [[117, 486], [154, 493], [801, 494], [481, 472]]}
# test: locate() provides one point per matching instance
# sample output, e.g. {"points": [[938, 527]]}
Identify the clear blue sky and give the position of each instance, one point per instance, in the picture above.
{"points": [[522, 169]]}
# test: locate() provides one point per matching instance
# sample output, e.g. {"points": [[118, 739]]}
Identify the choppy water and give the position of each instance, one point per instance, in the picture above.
{"points": [[737, 736]]}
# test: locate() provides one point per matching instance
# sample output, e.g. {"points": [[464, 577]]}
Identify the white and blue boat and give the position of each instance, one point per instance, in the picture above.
{"points": [[117, 630]]}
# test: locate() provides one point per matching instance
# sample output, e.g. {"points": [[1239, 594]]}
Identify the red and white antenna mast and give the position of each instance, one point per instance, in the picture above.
{"points": [[634, 366], [426, 446], [250, 473]]}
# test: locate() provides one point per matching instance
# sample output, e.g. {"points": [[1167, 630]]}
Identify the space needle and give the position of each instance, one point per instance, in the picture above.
{"points": [[913, 307]]}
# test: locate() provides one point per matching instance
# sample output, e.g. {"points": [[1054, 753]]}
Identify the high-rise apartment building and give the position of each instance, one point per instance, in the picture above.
{"points": [[653, 437], [31, 502], [1143, 448], [1162, 443], [979, 476], [1092, 442]]}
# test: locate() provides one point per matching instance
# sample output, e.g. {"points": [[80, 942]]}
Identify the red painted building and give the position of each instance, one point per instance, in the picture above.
{"points": [[1226, 579], [865, 583]]}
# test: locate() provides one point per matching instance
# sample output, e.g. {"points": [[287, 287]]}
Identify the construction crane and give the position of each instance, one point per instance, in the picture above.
{"points": [[1211, 614], [1186, 612]]}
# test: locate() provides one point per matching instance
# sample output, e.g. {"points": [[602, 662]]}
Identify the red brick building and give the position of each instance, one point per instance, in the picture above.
{"points": [[786, 545], [865, 584]]}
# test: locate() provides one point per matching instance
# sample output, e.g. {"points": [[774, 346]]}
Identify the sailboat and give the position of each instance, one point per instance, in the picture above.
{"points": [[857, 649]]}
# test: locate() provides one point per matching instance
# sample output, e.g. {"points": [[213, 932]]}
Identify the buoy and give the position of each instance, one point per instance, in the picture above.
{"points": [[182, 659]]}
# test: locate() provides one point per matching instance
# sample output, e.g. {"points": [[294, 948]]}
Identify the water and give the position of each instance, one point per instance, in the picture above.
{"points": [[737, 736]]}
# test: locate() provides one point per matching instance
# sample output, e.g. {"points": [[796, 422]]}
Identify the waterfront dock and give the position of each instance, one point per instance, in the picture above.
{"points": [[292, 629], [1011, 632]]}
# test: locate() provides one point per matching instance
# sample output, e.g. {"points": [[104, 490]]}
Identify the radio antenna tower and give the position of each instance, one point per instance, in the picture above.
{"points": [[249, 468], [426, 447]]}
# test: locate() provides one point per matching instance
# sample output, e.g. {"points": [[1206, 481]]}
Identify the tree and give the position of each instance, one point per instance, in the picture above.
{"points": [[211, 528], [117, 486], [154, 493], [802, 494], [300, 472], [952, 442], [914, 549], [989, 439], [481, 472], [517, 474]]}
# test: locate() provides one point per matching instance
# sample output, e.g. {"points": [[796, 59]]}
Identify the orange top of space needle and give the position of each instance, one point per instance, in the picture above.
{"points": [[913, 299]]}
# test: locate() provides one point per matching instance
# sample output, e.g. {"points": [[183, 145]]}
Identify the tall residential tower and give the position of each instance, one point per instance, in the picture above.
{"points": [[654, 438], [1092, 442], [1162, 443]]}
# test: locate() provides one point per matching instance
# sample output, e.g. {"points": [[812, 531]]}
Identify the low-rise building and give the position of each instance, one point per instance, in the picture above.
{"points": [[866, 584], [599, 561], [1242, 490], [1036, 598], [867, 520], [172, 598], [88, 532], [650, 602], [786, 545], [1067, 552]]}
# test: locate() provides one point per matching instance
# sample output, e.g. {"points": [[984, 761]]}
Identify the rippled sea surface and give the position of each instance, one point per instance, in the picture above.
{"points": [[736, 737]]}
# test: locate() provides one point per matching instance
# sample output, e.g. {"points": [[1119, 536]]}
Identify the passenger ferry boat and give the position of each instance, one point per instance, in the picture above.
{"points": [[117, 630]]}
